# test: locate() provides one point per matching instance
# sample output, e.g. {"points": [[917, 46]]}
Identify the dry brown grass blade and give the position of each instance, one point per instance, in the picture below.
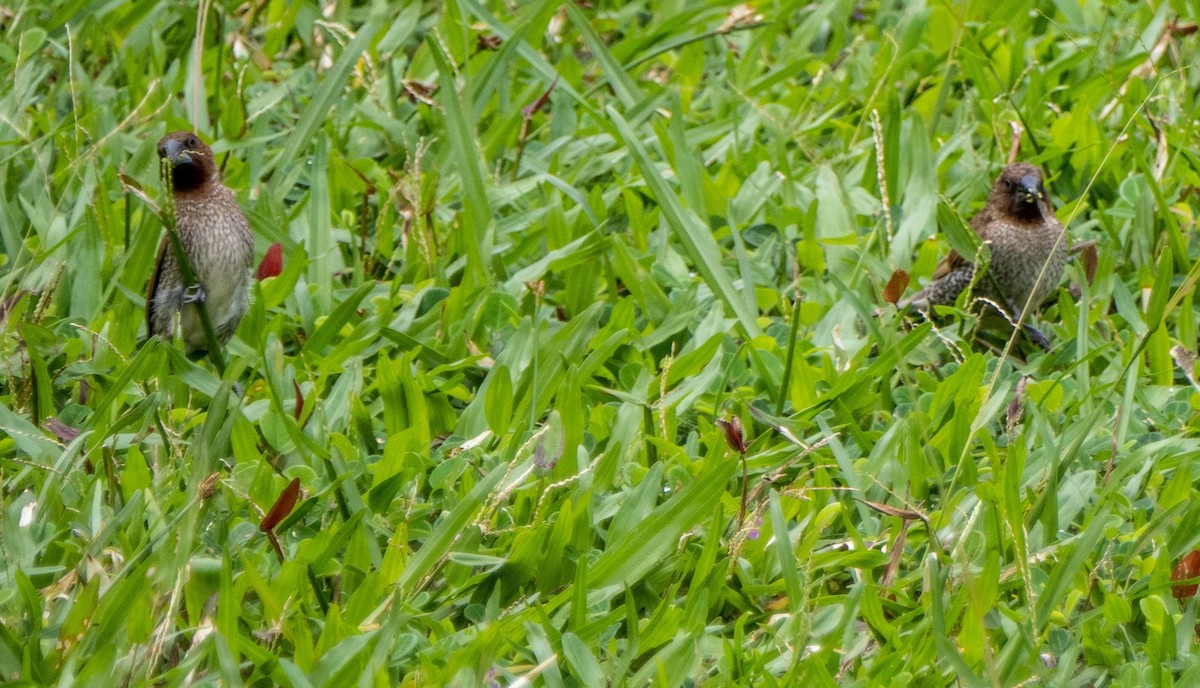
{"points": [[133, 188]]}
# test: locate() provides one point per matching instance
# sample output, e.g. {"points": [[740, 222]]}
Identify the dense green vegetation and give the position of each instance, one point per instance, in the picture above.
{"points": [[535, 255]]}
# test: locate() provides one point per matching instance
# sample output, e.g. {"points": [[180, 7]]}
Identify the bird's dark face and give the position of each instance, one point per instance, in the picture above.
{"points": [[189, 159], [1027, 190], [1019, 188]]}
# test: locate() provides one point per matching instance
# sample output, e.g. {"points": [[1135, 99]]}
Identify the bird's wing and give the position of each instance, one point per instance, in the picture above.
{"points": [[153, 284], [950, 263], [980, 223]]}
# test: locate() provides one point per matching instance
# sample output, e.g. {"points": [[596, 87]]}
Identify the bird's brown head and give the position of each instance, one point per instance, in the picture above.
{"points": [[190, 160], [1019, 192]]}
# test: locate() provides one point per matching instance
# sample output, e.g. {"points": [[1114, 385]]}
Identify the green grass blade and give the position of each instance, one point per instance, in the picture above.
{"points": [[691, 231]]}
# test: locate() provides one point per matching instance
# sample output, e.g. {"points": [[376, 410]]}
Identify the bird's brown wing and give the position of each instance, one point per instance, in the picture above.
{"points": [[981, 223], [950, 263], [153, 284]]}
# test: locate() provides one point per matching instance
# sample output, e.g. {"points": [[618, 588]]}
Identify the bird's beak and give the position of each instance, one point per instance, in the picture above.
{"points": [[174, 152], [1029, 189]]}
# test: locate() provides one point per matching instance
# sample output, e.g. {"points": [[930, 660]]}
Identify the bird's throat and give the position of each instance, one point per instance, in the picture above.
{"points": [[187, 177], [1027, 212]]}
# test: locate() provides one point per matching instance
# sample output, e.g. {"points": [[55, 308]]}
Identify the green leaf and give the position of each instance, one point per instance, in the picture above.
{"points": [[695, 236], [627, 92], [581, 660], [332, 86], [498, 403], [473, 235], [438, 544], [644, 549]]}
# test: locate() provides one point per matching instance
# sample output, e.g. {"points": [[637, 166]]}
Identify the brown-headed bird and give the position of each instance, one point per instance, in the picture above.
{"points": [[218, 244], [1028, 250]]}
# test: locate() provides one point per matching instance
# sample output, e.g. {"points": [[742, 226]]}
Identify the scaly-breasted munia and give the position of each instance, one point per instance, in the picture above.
{"points": [[218, 244], [1028, 249]]}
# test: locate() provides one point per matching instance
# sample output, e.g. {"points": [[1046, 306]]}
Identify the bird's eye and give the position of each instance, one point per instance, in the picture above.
{"points": [[192, 141]]}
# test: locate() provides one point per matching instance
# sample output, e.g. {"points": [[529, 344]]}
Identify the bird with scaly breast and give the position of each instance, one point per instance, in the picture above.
{"points": [[1027, 244], [217, 241]]}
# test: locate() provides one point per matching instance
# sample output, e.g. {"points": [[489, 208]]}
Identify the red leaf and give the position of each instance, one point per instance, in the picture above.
{"points": [[1014, 406], [272, 263], [275, 543], [61, 430], [537, 105], [299, 400], [733, 434], [1090, 261], [283, 506], [1188, 568], [895, 287]]}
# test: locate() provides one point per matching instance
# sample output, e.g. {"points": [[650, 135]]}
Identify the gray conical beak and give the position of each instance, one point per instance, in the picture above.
{"points": [[174, 152], [1029, 189]]}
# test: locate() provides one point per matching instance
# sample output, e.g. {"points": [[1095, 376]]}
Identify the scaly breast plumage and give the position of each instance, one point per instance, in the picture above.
{"points": [[1017, 261], [218, 236]]}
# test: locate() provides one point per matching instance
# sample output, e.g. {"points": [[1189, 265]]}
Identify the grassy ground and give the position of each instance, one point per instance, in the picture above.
{"points": [[535, 256]]}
